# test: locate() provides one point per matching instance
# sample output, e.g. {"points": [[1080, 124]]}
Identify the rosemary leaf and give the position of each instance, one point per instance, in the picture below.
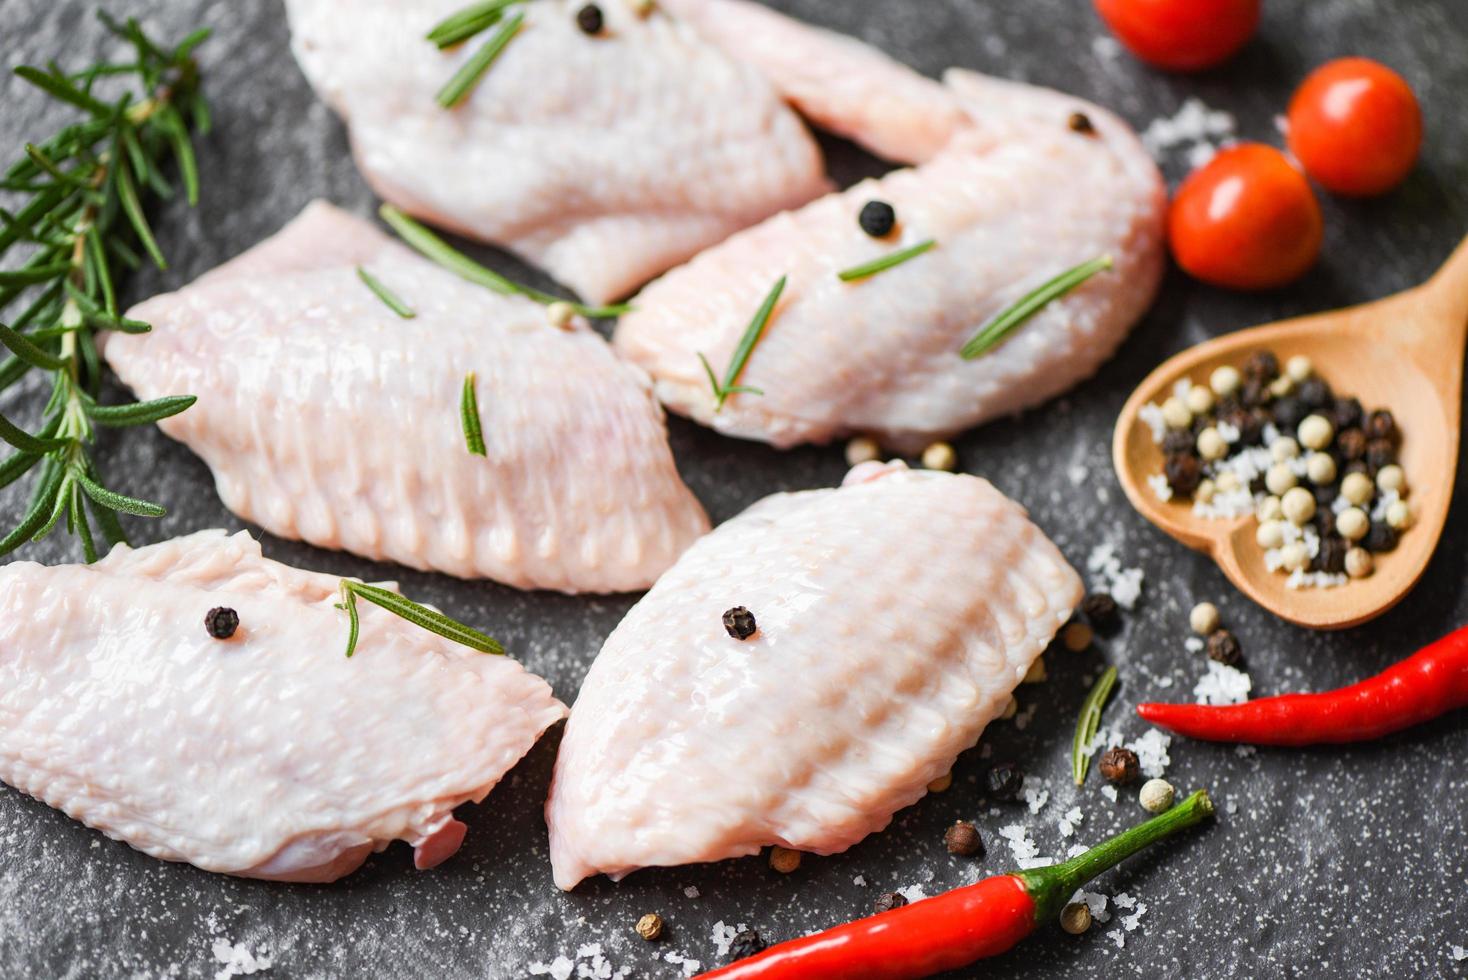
{"points": [[354, 624], [869, 269], [466, 23], [752, 334], [436, 249], [59, 87], [23, 440], [419, 615], [469, 73], [127, 195], [139, 413], [1090, 720], [107, 521], [41, 503], [386, 295], [23, 348], [33, 275], [117, 501], [469, 413], [58, 506], [1028, 305], [77, 524]]}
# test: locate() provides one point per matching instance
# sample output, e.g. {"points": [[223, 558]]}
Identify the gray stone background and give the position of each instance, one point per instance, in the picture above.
{"points": [[1334, 862]]}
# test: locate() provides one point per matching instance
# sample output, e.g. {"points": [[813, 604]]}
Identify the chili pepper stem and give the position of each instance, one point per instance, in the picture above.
{"points": [[1052, 887]]}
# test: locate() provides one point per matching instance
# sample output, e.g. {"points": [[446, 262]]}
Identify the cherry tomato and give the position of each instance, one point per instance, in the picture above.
{"points": [[1355, 126], [1247, 220], [1181, 35]]}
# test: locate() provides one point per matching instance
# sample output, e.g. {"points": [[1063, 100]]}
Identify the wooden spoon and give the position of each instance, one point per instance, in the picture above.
{"points": [[1404, 353]]}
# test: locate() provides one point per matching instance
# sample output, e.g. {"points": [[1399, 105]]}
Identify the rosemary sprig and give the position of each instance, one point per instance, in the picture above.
{"points": [[470, 71], [418, 615], [83, 221], [991, 333], [469, 413], [388, 297], [752, 334], [1089, 721], [869, 269], [432, 247], [466, 23]]}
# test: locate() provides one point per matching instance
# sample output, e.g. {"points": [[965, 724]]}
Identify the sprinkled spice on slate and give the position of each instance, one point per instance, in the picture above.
{"points": [[963, 840], [650, 926], [745, 944], [1081, 123], [888, 902], [589, 19], [877, 219], [1120, 766], [1005, 780], [740, 623], [221, 622], [1100, 611], [1224, 647]]}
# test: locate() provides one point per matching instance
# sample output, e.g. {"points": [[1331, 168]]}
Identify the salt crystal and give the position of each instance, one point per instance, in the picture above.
{"points": [[1109, 791], [1459, 954], [1118, 937], [913, 893], [1105, 47], [1076, 849], [1036, 797], [1096, 902], [1151, 751], [1124, 901], [691, 891], [1194, 125], [1019, 841], [1244, 751], [1069, 820], [1194, 644], [1151, 415], [723, 936], [1222, 685], [238, 961], [1160, 487], [1130, 922], [859, 880]]}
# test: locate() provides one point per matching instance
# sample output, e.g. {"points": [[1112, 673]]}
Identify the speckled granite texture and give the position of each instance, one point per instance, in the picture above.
{"points": [[1329, 863]]}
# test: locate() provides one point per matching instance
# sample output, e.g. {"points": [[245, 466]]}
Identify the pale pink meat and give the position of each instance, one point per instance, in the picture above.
{"points": [[896, 614], [327, 417], [1012, 195], [605, 160], [268, 755]]}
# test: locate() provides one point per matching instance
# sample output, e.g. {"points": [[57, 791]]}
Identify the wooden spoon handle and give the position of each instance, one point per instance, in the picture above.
{"points": [[1446, 295]]}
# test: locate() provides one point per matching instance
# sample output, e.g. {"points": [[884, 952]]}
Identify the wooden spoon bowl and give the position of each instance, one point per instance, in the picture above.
{"points": [[1404, 353]]}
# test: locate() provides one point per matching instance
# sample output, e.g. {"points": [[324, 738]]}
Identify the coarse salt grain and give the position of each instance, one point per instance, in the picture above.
{"points": [[559, 968], [1118, 937], [691, 891], [1195, 127], [1019, 841], [1160, 487], [723, 936], [1123, 584], [1194, 644], [1109, 791], [237, 960], [1222, 685], [1036, 796], [1151, 750], [1069, 821], [1459, 954], [913, 893], [1151, 416], [860, 881]]}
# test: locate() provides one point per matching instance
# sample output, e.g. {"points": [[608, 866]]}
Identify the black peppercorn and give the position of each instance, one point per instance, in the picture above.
{"points": [[1325, 494], [740, 623], [888, 902], [1254, 393], [1354, 466], [1258, 485], [1262, 366], [1081, 123], [1120, 766], [1381, 537], [589, 19], [877, 219], [1178, 441], [1224, 647], [963, 840], [1332, 555], [1100, 611], [1005, 780], [1184, 472], [745, 944], [1314, 393], [1289, 412], [1351, 443], [1346, 413], [1381, 425], [221, 622], [1379, 453]]}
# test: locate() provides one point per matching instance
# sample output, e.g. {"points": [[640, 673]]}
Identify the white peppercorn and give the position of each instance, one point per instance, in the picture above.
{"points": [[1204, 618], [1199, 400], [1359, 563], [1226, 481], [1281, 386], [1357, 488], [1156, 795], [1280, 479], [1283, 449], [1176, 414], [1392, 478], [1211, 445], [1294, 556], [1269, 509], [862, 450], [1299, 367], [1398, 515], [1315, 432], [1225, 380], [1271, 534], [1352, 524], [1205, 491], [1320, 468], [940, 456], [1298, 505]]}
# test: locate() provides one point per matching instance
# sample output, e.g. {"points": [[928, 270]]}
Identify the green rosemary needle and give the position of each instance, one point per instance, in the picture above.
{"points": [[418, 615], [991, 333], [436, 249], [86, 188], [868, 269], [469, 413], [469, 73], [752, 334], [386, 295], [1089, 722], [466, 23]]}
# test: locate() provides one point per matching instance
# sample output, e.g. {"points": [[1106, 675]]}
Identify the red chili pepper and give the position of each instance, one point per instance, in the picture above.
{"points": [[1429, 683], [960, 926]]}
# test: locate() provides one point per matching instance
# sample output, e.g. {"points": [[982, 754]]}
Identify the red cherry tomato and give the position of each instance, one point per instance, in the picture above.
{"points": [[1246, 220], [1181, 35], [1355, 126]]}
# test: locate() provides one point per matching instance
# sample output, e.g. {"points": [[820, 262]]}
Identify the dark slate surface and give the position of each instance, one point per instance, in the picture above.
{"points": [[1338, 862]]}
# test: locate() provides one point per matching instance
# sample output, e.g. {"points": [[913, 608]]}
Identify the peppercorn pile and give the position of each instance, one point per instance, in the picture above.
{"points": [[1319, 472]]}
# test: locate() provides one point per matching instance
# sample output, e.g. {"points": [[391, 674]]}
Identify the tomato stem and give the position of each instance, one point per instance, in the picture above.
{"points": [[1052, 887]]}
